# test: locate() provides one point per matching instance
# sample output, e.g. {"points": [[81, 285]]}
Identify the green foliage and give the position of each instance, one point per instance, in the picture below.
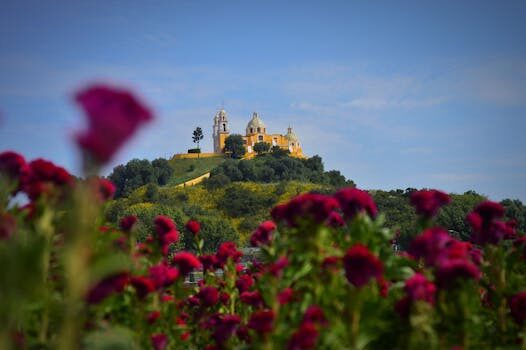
{"points": [[137, 173], [239, 201], [234, 144], [453, 216], [278, 152], [261, 147], [267, 169], [516, 210]]}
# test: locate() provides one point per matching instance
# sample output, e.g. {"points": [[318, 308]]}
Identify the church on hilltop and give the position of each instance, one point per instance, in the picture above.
{"points": [[256, 131]]}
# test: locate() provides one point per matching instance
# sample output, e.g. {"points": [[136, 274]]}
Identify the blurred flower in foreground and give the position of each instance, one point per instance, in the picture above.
{"points": [[113, 116]]}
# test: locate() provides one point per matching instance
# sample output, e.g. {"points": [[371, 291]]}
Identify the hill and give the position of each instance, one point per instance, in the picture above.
{"points": [[187, 169]]}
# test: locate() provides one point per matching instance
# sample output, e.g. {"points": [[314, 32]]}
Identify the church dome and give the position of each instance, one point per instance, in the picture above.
{"points": [[291, 136], [255, 125]]}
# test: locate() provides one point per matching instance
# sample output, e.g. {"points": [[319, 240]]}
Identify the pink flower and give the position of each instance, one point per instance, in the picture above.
{"points": [[159, 341], [13, 165], [225, 326], [109, 285], [418, 287], [305, 337], [193, 226], [113, 115], [429, 245], [335, 220], [262, 321], [353, 201], [278, 266], [209, 262], [143, 286], [106, 189], [428, 202], [484, 225], [43, 176], [244, 283], [262, 235], [227, 250], [186, 262], [314, 314], [163, 275], [305, 208], [448, 271], [127, 223], [252, 298], [163, 225], [285, 296], [517, 304], [209, 296], [361, 265], [153, 316]]}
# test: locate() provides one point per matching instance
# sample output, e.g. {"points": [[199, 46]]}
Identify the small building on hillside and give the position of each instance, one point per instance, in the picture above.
{"points": [[256, 131]]}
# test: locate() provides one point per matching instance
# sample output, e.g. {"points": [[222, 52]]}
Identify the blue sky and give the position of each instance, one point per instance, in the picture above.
{"points": [[394, 94]]}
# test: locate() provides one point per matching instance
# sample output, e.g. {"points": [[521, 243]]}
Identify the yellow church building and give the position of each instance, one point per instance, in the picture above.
{"points": [[256, 131]]}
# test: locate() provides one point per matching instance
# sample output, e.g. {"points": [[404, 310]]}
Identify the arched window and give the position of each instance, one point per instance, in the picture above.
{"points": [[260, 137], [224, 127], [259, 129], [251, 130]]}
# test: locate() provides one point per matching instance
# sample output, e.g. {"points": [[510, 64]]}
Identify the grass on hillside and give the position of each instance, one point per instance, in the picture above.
{"points": [[187, 169]]}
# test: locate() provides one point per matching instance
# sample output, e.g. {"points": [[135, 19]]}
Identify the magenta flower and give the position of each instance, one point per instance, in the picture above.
{"points": [[113, 115], [209, 296], [262, 235], [306, 207], [159, 341], [193, 226], [244, 283], [429, 245], [252, 298], [361, 265], [109, 285], [517, 305], [106, 189], [186, 262], [143, 286], [484, 225], [163, 275], [262, 321], [227, 250], [13, 165], [353, 201], [43, 176], [127, 223], [163, 225], [428, 202], [418, 287], [285, 296], [305, 337], [449, 271], [314, 314], [225, 326]]}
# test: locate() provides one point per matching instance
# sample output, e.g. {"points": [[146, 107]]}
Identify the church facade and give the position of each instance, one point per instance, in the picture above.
{"points": [[256, 131]]}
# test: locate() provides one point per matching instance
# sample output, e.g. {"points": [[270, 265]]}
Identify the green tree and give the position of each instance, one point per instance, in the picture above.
{"points": [[197, 136], [234, 144], [261, 147], [279, 152]]}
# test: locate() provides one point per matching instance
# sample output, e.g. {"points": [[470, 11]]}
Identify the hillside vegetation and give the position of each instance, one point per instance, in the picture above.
{"points": [[240, 194]]}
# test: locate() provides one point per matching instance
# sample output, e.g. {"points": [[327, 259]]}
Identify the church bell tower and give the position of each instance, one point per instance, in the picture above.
{"points": [[220, 131]]}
